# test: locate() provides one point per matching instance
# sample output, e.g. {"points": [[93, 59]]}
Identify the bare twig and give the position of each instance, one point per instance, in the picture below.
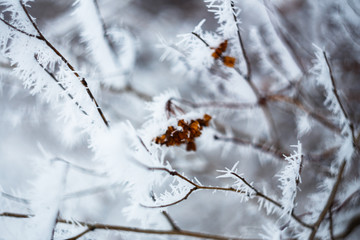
{"points": [[215, 104], [329, 202], [171, 221], [15, 215], [331, 226], [247, 61], [131, 90], [264, 148], [94, 226], [200, 38], [89, 229], [152, 231], [299, 105]]}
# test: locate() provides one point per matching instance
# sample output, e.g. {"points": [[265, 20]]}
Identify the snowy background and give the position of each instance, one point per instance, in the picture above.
{"points": [[285, 118]]}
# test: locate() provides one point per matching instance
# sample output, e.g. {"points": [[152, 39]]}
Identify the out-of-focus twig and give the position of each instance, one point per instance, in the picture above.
{"points": [[329, 201]]}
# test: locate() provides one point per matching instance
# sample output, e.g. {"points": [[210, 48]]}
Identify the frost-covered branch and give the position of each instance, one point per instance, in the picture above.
{"points": [[336, 94], [290, 179], [82, 80], [250, 190], [231, 189]]}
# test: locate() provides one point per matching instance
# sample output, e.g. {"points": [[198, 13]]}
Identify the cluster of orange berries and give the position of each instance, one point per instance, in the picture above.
{"points": [[228, 61], [186, 136]]}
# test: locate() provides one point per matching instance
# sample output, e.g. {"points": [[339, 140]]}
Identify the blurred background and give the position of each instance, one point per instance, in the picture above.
{"points": [[29, 126]]}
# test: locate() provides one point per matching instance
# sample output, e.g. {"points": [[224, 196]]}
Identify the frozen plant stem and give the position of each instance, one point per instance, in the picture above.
{"points": [[200, 187]]}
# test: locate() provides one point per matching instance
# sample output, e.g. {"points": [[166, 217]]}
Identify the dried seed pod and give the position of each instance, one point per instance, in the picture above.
{"points": [[190, 146], [186, 136], [219, 50], [228, 61]]}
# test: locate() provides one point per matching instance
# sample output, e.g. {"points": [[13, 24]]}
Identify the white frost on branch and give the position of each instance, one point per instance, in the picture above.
{"points": [[289, 179], [30, 55], [246, 191], [323, 78], [224, 13], [178, 189]]}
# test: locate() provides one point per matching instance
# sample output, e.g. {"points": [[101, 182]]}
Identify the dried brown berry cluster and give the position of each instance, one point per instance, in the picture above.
{"points": [[227, 60], [186, 136]]}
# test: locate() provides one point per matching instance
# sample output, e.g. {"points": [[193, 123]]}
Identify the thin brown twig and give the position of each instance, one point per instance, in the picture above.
{"points": [[82, 80], [331, 226], [241, 42], [264, 148], [94, 226], [215, 104], [15, 215], [260, 194], [89, 229], [171, 221], [329, 202], [131, 90], [200, 38], [299, 105]]}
